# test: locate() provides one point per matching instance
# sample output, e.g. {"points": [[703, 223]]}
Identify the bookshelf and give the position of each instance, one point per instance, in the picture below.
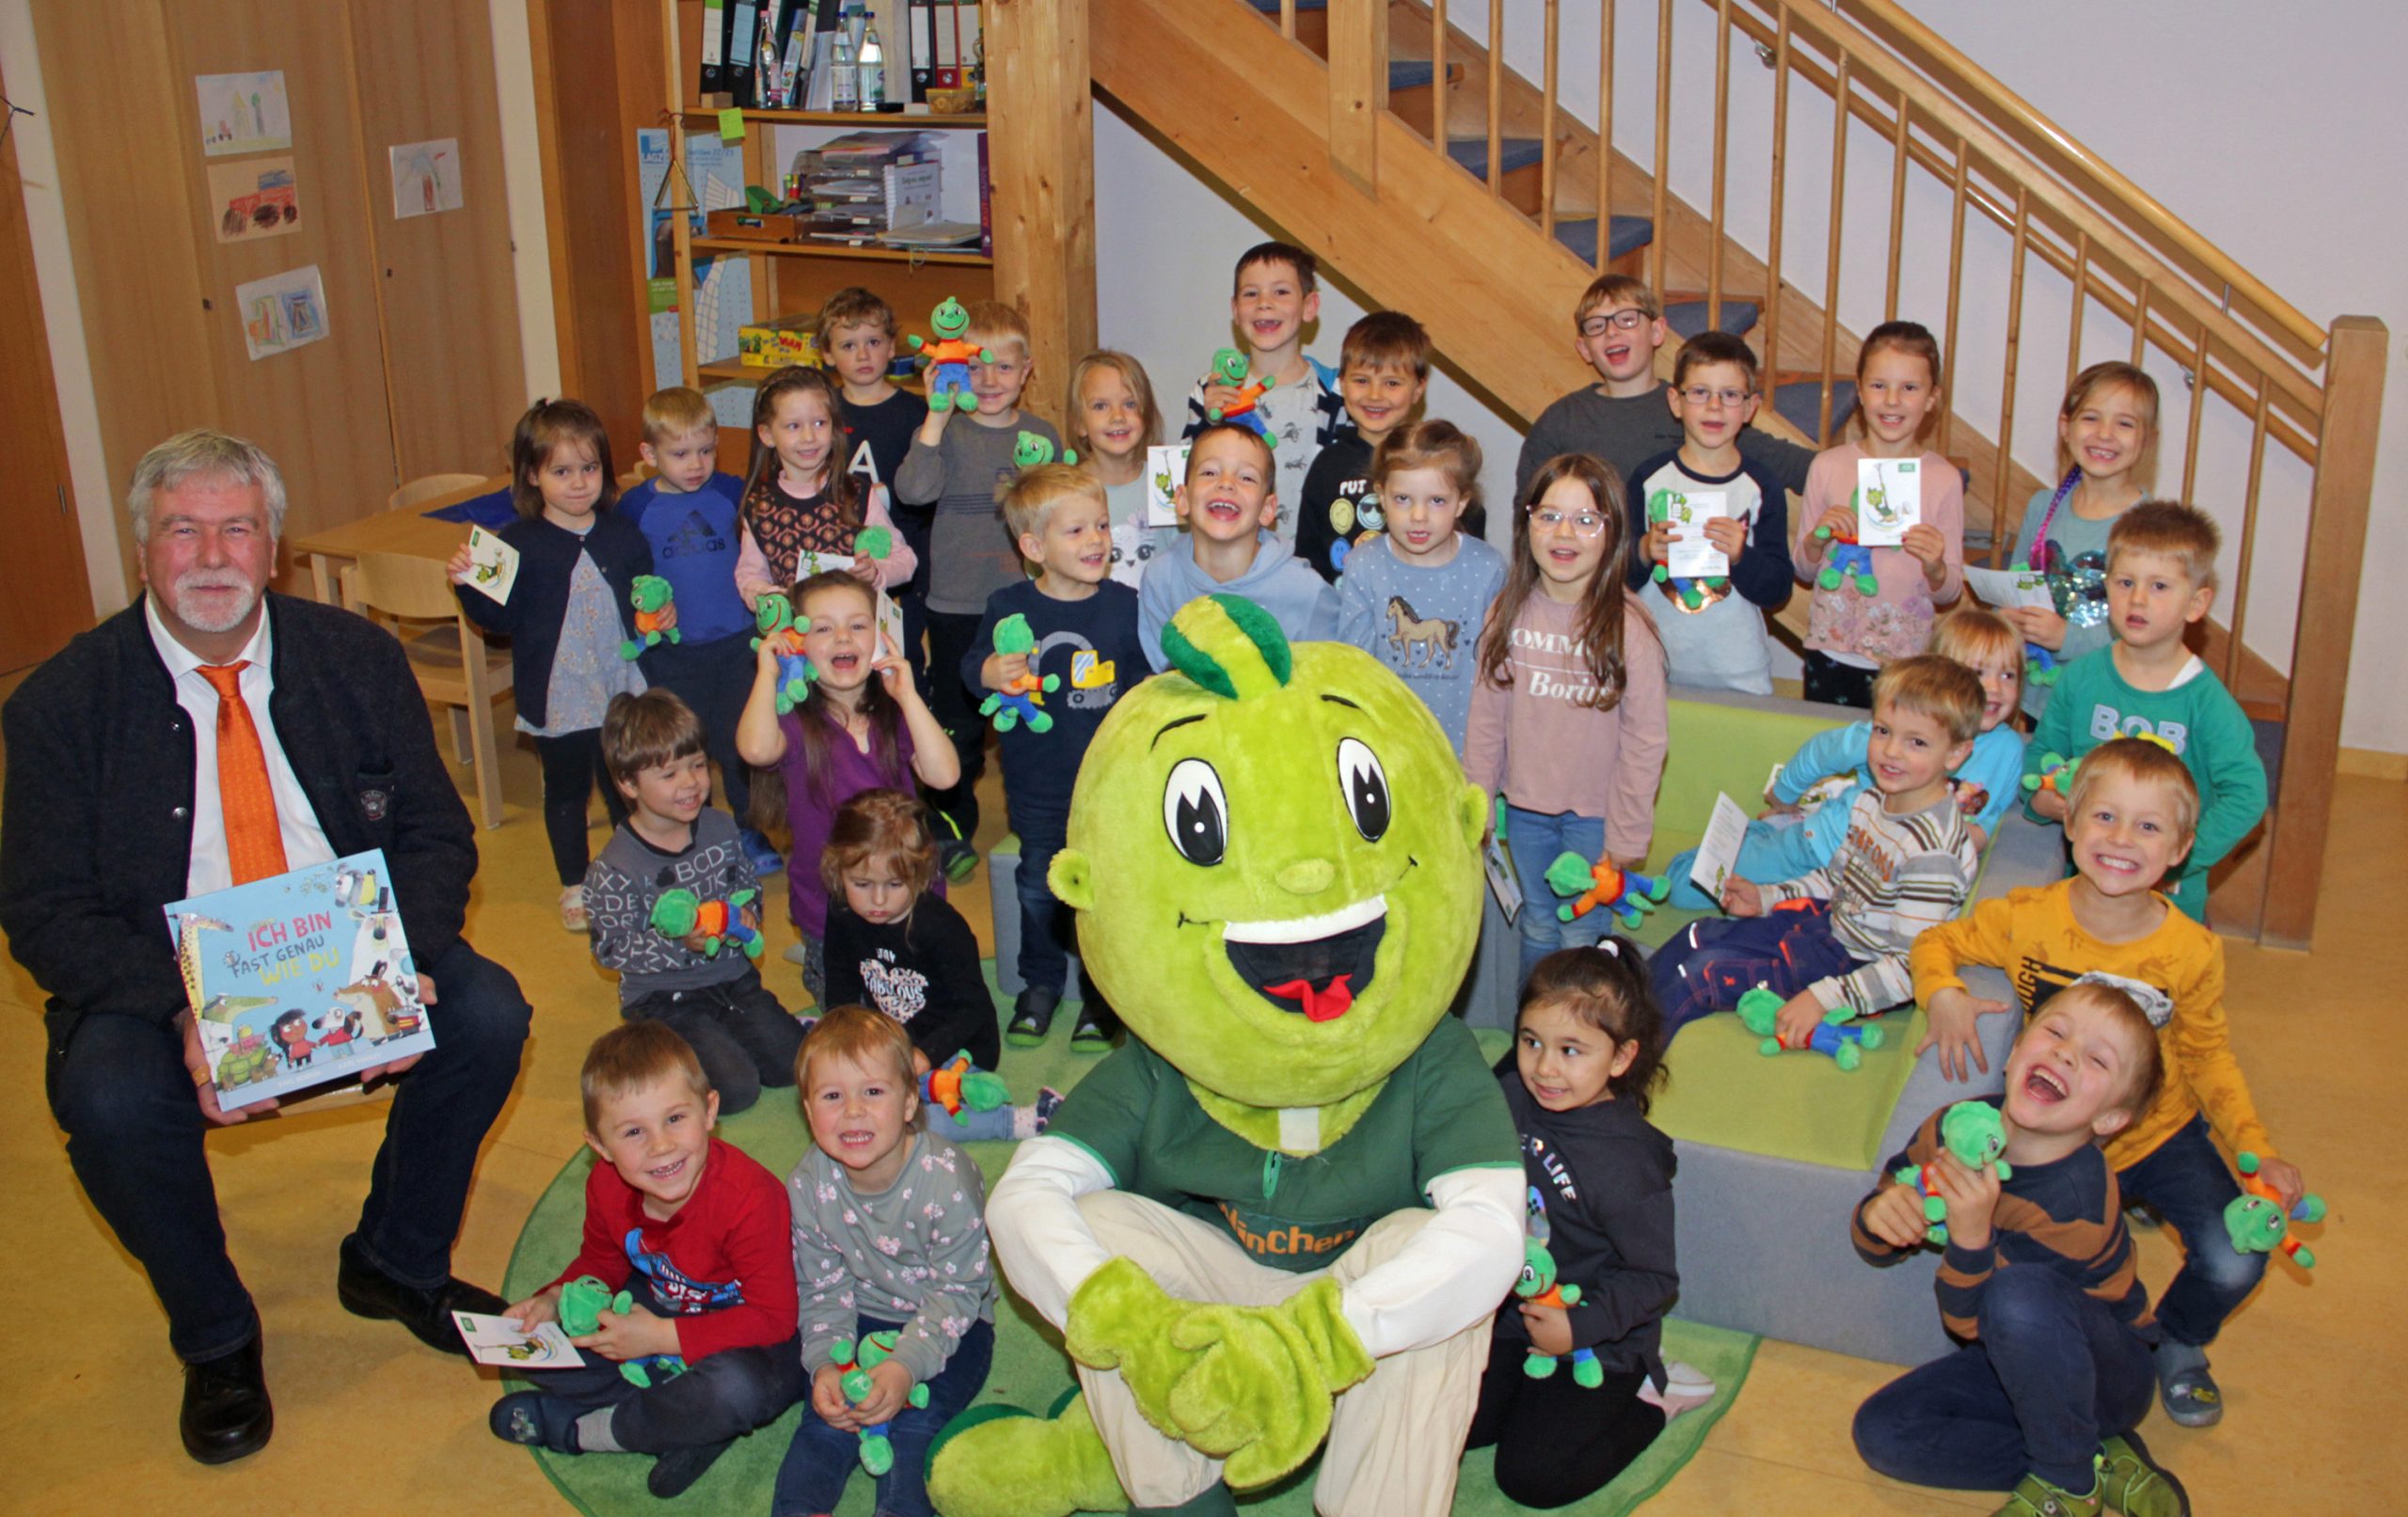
{"points": [[794, 279]]}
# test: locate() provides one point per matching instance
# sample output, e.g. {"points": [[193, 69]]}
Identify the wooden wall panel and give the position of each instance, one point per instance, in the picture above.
{"points": [[319, 409], [138, 278], [452, 364]]}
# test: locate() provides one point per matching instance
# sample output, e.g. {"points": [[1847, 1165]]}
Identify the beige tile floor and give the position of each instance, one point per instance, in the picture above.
{"points": [[370, 1422]]}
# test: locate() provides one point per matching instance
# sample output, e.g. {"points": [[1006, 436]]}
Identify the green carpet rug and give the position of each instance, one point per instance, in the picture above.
{"points": [[1030, 1369]]}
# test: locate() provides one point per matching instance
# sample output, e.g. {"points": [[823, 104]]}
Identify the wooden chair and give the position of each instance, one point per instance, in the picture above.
{"points": [[455, 665], [427, 486]]}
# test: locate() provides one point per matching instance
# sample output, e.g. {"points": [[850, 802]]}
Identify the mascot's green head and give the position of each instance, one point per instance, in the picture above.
{"points": [[1275, 858]]}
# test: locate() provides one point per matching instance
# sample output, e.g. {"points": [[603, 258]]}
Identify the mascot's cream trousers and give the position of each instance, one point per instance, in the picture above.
{"points": [[1395, 1439]]}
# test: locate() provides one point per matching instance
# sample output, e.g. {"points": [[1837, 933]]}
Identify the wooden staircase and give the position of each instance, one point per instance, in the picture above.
{"points": [[1439, 181]]}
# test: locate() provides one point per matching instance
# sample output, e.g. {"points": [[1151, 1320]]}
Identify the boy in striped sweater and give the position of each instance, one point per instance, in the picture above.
{"points": [[1838, 936], [2036, 1280]]}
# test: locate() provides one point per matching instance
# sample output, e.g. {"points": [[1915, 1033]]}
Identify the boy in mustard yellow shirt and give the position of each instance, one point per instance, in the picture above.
{"points": [[2132, 816]]}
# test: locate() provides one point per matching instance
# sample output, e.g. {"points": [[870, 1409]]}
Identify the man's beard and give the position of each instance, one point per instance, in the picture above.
{"points": [[184, 599]]}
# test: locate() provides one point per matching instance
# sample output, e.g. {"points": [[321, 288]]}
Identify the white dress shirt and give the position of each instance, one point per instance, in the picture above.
{"points": [[305, 842]]}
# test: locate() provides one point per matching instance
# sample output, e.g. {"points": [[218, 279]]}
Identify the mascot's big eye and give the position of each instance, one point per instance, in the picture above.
{"points": [[1366, 788], [1198, 815]]}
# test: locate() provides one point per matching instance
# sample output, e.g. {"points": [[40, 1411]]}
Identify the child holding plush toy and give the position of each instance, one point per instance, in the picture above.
{"points": [[2038, 1279], [862, 726], [2132, 815], [896, 944], [889, 1239], [1587, 1053], [1872, 605], [800, 499], [695, 1232], [1568, 725], [701, 982]]}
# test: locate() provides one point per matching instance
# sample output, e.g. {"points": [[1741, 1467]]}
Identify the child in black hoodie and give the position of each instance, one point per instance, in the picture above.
{"points": [[1572, 1395]]}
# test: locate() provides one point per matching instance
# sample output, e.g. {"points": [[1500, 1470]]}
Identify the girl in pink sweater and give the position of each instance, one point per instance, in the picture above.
{"points": [[1567, 713], [1872, 605]]}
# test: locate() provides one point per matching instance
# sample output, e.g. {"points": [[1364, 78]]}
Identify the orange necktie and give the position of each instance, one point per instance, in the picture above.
{"points": [[254, 844]]}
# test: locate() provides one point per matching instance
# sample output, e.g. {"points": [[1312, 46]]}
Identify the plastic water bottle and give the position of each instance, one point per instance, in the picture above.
{"points": [[873, 70], [845, 78]]}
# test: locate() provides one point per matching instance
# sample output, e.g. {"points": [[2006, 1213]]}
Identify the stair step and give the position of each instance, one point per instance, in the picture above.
{"points": [[1800, 402], [1513, 153], [1271, 7], [1411, 73], [1627, 235], [1687, 318]]}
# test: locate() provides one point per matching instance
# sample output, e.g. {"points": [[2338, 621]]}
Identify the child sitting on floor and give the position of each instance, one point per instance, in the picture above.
{"points": [[696, 1232], [701, 982], [1587, 1053], [895, 944], [888, 1237], [1837, 937], [1811, 798], [2134, 813], [2038, 1279]]}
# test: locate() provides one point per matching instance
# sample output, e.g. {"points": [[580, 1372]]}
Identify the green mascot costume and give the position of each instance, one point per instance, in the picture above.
{"points": [[1286, 1211]]}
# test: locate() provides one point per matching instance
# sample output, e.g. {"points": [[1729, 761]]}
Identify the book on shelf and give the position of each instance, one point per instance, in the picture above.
{"points": [[299, 980], [736, 48], [986, 203], [714, 70], [932, 235]]}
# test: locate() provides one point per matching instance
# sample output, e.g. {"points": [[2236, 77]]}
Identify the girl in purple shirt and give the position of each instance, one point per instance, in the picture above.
{"points": [[864, 726]]}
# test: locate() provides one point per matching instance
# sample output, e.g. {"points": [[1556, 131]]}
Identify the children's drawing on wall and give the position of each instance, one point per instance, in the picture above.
{"points": [[426, 177], [242, 113], [283, 311], [256, 197]]}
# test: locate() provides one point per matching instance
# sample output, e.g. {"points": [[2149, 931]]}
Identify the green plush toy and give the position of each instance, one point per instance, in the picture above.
{"points": [[1022, 700], [873, 542], [1275, 860], [582, 1303], [1839, 1034], [650, 596], [1973, 1132]]}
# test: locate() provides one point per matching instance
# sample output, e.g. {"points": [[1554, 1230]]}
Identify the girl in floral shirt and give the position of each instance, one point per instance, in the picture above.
{"points": [[888, 1237]]}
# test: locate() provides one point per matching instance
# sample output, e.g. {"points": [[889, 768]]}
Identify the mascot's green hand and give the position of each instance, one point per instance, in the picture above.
{"points": [[1251, 1385], [1260, 1394], [1118, 1319]]}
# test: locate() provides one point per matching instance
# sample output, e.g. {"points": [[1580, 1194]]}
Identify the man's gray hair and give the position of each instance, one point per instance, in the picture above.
{"points": [[203, 453]]}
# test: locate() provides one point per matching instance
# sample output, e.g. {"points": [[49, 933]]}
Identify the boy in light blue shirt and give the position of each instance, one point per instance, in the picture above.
{"points": [[1228, 503]]}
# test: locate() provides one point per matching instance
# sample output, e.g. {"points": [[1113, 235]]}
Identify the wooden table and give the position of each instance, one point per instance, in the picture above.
{"points": [[410, 531]]}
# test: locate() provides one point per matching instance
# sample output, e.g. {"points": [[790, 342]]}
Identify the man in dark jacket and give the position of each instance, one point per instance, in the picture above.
{"points": [[114, 808]]}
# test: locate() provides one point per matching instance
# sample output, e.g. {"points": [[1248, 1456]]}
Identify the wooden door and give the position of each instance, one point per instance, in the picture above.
{"points": [[454, 374], [319, 409], [49, 599]]}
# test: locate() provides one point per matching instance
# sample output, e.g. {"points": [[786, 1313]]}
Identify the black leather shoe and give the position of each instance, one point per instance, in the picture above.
{"points": [[226, 1412], [369, 1291]]}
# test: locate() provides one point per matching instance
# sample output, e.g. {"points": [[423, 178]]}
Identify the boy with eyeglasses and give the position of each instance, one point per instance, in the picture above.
{"points": [[1616, 329], [1712, 626]]}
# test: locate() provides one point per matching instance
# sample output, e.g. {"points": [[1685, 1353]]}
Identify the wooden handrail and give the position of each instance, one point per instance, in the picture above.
{"points": [[1969, 79]]}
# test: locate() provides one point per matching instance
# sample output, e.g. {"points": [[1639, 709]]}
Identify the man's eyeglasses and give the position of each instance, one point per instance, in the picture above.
{"points": [[1731, 399], [1584, 523], [1619, 321]]}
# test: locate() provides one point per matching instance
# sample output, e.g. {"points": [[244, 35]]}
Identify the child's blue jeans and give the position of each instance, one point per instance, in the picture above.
{"points": [[1044, 922], [2051, 1374], [1707, 966], [971, 1126], [723, 1396], [821, 1459], [1535, 839], [2185, 1179]]}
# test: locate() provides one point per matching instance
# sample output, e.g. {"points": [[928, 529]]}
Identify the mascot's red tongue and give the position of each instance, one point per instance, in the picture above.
{"points": [[1319, 1005]]}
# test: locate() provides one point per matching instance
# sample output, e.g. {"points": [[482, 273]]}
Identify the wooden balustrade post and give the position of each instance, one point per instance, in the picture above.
{"points": [[1359, 92], [1042, 183], [2328, 609]]}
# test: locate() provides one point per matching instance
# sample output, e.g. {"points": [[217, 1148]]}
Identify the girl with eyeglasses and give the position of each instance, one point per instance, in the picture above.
{"points": [[1568, 724]]}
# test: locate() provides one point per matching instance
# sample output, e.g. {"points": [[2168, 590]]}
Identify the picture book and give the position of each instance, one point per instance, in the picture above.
{"points": [[1165, 468], [1693, 554], [1718, 852], [493, 564], [496, 1340], [298, 980], [1889, 493]]}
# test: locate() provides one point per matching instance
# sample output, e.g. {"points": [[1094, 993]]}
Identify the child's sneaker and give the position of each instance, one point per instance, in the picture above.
{"points": [[2035, 1497], [679, 1468], [1096, 1025], [2183, 1383], [767, 864], [572, 908], [1031, 1017], [1684, 1386], [536, 1419], [1048, 1100], [2130, 1484], [1030, 1120], [957, 858]]}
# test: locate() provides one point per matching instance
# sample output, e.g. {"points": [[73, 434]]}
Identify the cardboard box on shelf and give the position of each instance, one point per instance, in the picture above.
{"points": [[788, 340]]}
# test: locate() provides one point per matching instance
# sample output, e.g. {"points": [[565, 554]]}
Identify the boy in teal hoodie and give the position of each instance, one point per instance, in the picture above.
{"points": [[2161, 578]]}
